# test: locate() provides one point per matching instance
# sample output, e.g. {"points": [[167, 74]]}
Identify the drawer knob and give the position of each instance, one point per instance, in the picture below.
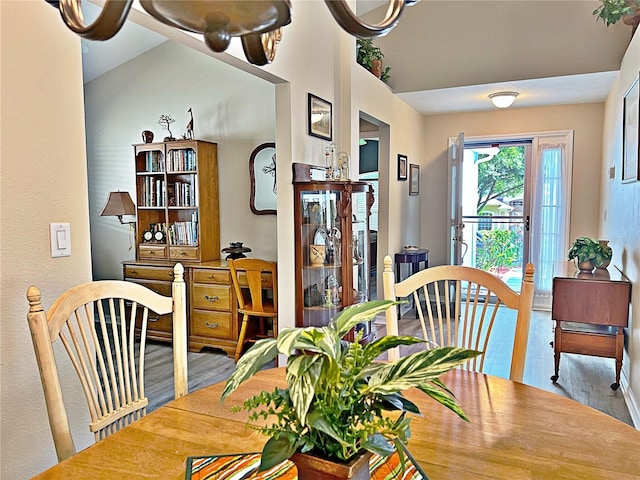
{"points": [[211, 299], [150, 252], [210, 276], [181, 252], [211, 325]]}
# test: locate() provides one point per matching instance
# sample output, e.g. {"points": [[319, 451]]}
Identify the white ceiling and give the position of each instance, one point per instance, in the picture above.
{"points": [[133, 40]]}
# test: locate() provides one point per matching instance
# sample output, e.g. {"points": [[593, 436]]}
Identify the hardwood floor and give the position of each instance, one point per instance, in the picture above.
{"points": [[583, 378]]}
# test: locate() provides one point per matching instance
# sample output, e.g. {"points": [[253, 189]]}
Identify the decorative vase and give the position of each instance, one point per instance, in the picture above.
{"points": [[311, 467], [586, 266], [147, 136]]}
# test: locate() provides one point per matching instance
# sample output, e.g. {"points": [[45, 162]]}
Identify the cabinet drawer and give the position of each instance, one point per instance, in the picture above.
{"points": [[183, 253], [152, 252], [155, 322], [201, 275], [145, 272], [211, 324], [212, 297]]}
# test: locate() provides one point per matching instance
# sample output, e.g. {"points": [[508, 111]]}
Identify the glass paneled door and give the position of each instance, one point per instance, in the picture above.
{"points": [[492, 225]]}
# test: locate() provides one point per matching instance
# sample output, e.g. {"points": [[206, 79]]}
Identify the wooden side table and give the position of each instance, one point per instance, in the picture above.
{"points": [[590, 311], [413, 257], [418, 259]]}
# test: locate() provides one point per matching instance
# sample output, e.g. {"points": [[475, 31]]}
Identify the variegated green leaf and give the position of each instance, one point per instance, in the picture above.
{"points": [[262, 352], [302, 376], [287, 338], [355, 314], [418, 368], [444, 399], [391, 341]]}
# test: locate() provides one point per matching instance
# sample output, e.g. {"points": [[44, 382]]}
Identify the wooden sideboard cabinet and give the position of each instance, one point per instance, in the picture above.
{"points": [[158, 278], [212, 307], [213, 317], [590, 312]]}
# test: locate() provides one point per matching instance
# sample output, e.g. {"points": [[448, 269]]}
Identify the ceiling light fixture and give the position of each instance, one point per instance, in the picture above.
{"points": [[503, 99], [257, 22]]}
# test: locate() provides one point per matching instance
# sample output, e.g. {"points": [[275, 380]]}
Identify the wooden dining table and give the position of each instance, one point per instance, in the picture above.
{"points": [[515, 432]]}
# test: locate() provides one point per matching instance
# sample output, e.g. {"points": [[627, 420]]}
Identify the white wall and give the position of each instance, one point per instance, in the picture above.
{"points": [[230, 107], [620, 219], [44, 180]]}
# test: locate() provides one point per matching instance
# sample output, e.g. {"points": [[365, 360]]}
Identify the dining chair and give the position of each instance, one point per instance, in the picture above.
{"points": [[460, 306], [102, 326], [250, 279]]}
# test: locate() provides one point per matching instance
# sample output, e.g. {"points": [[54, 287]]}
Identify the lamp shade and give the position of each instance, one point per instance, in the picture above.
{"points": [[503, 99], [118, 204]]}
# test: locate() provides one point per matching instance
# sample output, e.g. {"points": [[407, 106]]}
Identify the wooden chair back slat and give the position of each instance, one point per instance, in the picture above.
{"points": [[96, 324], [461, 305]]}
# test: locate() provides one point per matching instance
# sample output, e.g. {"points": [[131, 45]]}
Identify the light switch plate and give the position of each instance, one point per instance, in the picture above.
{"points": [[60, 237]]}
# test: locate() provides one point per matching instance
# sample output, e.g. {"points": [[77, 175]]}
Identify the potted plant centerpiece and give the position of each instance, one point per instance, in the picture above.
{"points": [[370, 56], [338, 399], [610, 11], [589, 253]]}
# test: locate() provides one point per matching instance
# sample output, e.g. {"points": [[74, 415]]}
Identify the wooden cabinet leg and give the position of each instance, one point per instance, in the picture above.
{"points": [[557, 348], [619, 352]]}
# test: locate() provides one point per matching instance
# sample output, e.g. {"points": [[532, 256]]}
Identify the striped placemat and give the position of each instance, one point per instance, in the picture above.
{"points": [[245, 465]]}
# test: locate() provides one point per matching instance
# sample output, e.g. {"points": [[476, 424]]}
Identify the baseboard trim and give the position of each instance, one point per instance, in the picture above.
{"points": [[630, 399]]}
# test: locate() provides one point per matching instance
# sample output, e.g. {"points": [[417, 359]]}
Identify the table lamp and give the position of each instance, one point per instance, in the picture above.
{"points": [[119, 204]]}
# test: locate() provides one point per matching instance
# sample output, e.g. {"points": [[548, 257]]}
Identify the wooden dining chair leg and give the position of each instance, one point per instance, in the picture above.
{"points": [[243, 331]]}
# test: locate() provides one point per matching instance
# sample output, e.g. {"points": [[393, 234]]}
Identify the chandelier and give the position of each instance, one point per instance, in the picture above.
{"points": [[258, 23]]}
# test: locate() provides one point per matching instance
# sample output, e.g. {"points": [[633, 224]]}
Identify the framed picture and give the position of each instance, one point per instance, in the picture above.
{"points": [[402, 167], [630, 133], [262, 170], [414, 179], [320, 119]]}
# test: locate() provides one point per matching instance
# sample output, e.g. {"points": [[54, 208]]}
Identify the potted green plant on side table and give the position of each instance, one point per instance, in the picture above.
{"points": [[589, 253], [338, 397]]}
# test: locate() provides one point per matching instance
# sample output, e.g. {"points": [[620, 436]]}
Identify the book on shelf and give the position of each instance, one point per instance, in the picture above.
{"points": [[183, 160], [154, 161]]}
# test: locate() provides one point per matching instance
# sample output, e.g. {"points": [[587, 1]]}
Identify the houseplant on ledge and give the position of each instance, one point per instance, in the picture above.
{"points": [[337, 395], [370, 56], [610, 11], [589, 253]]}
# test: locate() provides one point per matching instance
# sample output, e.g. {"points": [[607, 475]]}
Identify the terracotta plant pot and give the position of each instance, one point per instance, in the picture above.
{"points": [[311, 467], [376, 68]]}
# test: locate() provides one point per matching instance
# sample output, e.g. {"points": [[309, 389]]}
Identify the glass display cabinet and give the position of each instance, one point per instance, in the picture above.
{"points": [[332, 250]]}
